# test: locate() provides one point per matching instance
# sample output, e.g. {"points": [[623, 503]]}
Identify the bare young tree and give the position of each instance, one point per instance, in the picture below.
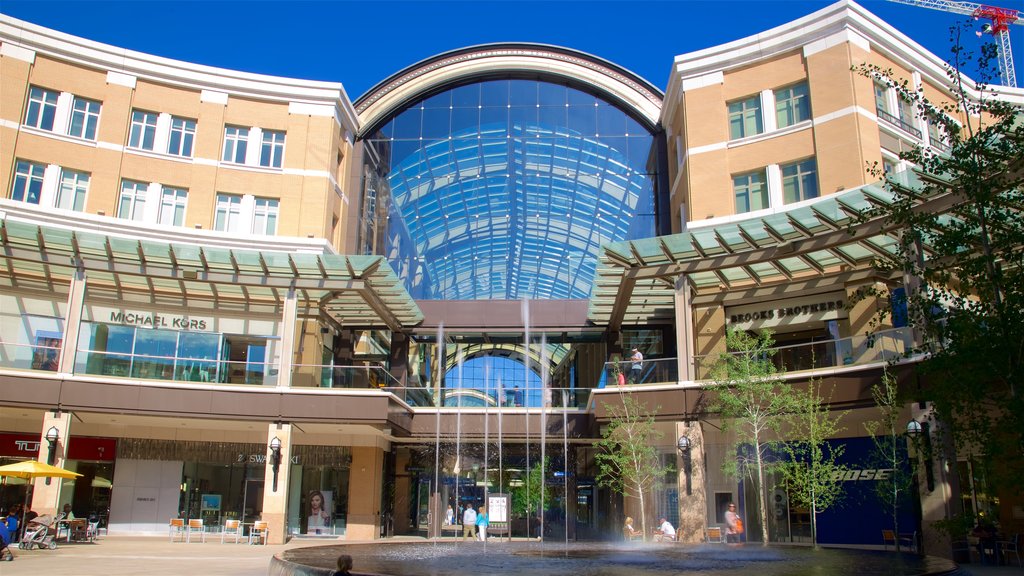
{"points": [[753, 401], [628, 462]]}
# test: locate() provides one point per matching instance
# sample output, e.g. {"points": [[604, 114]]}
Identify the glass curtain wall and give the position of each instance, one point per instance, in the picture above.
{"points": [[505, 189]]}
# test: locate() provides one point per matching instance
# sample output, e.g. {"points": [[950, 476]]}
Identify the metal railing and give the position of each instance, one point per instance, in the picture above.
{"points": [[898, 122], [648, 371], [332, 376], [882, 346]]}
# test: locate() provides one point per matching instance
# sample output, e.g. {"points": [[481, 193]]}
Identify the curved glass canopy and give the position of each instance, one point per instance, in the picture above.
{"points": [[505, 189]]}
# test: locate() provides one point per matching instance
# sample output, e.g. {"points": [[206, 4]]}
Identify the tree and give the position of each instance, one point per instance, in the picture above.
{"points": [[813, 474], [528, 495], [753, 401], [627, 461], [964, 264], [887, 434]]}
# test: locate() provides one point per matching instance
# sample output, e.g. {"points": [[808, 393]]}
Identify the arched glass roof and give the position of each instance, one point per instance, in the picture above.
{"points": [[505, 189]]}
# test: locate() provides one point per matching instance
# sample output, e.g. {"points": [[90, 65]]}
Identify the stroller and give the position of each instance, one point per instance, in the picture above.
{"points": [[39, 532]]}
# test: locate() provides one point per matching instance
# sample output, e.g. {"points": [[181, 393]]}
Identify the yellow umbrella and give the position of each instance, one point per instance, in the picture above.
{"points": [[34, 469], [30, 469]]}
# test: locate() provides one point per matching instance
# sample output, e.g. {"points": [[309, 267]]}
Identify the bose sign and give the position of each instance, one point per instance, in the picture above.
{"points": [[869, 474]]}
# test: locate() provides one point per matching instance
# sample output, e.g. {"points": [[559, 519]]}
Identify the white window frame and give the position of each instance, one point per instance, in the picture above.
{"points": [[793, 103], [90, 118], [173, 203], [759, 127], [27, 172], [801, 179], [38, 106], [186, 129], [140, 128], [136, 192], [74, 184], [272, 149], [227, 215], [236, 143], [265, 216], [766, 194]]}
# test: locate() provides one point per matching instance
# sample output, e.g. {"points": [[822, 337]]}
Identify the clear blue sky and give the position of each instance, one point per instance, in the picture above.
{"points": [[362, 43]]}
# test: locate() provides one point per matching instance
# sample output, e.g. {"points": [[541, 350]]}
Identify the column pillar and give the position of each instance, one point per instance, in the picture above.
{"points": [[398, 358], [288, 319], [275, 500], [692, 485], [937, 481], [72, 322], [46, 497], [684, 329], [365, 480]]}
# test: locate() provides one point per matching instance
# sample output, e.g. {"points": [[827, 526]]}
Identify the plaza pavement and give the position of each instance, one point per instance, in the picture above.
{"points": [[155, 556]]}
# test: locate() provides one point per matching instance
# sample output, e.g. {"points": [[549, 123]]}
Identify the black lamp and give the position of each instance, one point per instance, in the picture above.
{"points": [[275, 458], [683, 445], [918, 432], [52, 435]]}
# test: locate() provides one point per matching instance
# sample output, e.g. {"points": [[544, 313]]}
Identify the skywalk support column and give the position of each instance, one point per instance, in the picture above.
{"points": [[937, 480], [692, 484], [72, 322], [275, 499], [684, 329], [288, 319], [364, 488], [46, 497]]}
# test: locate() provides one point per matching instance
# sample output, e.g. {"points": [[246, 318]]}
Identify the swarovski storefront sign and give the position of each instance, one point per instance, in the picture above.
{"points": [[788, 312]]}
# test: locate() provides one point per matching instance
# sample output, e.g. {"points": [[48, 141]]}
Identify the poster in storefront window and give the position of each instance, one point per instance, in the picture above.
{"points": [[320, 503], [210, 502], [46, 351]]}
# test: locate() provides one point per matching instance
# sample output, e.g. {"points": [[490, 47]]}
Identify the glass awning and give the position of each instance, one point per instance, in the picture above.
{"points": [[360, 291], [635, 280]]}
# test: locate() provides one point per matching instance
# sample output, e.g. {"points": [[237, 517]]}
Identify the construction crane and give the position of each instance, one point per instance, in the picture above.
{"points": [[1001, 19]]}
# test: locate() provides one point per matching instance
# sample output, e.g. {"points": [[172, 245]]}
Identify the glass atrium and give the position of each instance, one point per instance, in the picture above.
{"points": [[504, 189]]}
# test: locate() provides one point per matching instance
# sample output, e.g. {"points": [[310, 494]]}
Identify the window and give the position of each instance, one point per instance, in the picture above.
{"points": [[28, 182], [881, 97], [172, 206], [85, 117], [183, 134], [42, 108], [272, 151], [235, 141], [143, 130], [228, 213], [133, 200], [751, 192], [73, 186], [792, 105], [745, 118], [264, 219], [906, 112], [799, 181]]}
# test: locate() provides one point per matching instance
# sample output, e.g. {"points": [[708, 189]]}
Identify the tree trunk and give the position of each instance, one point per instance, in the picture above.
{"points": [[760, 496]]}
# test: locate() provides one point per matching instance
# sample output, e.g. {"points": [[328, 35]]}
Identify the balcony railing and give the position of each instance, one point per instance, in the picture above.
{"points": [[898, 122], [28, 356], [882, 346], [329, 376], [653, 371]]}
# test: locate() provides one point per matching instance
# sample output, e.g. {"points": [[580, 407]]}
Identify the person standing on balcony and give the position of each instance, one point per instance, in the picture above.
{"points": [[636, 367]]}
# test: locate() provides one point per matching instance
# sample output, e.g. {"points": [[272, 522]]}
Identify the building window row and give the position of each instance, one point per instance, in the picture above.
{"points": [[52, 185], [775, 185], [749, 116], [62, 113], [253, 146], [66, 113], [146, 202], [895, 110]]}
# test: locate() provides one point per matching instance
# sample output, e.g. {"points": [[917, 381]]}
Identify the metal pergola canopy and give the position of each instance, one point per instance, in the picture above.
{"points": [[355, 291], [635, 280]]}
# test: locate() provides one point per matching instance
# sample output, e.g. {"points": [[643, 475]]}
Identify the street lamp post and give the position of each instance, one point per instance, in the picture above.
{"points": [[52, 435]]}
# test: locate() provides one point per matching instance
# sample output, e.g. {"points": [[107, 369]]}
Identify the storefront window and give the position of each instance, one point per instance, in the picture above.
{"points": [[116, 350]]}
